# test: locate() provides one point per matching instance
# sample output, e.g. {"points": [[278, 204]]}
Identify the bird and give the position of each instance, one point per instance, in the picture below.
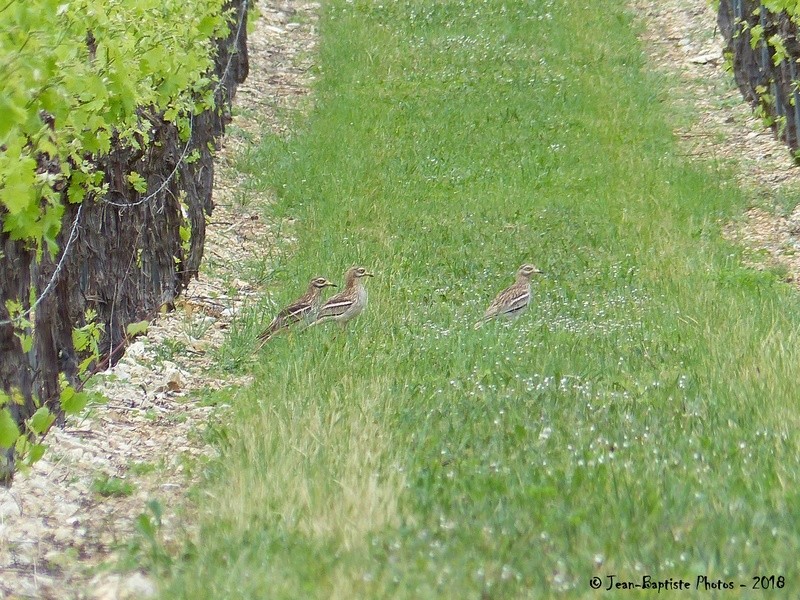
{"points": [[303, 309], [348, 303], [514, 300]]}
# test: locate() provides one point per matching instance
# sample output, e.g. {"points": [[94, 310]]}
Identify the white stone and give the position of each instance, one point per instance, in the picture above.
{"points": [[137, 586], [136, 349], [703, 59]]}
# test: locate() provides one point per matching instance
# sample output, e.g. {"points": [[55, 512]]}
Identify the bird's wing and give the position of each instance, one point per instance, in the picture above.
{"points": [[298, 310], [336, 306], [508, 301], [517, 301], [291, 314]]}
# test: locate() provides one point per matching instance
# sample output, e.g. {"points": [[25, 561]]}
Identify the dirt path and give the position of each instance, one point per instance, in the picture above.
{"points": [[66, 523]]}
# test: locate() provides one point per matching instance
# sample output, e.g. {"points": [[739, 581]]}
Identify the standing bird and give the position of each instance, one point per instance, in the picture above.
{"points": [[348, 303], [303, 309], [512, 301]]}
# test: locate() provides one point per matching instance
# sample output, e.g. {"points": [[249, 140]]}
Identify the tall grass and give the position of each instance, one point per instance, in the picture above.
{"points": [[640, 419]]}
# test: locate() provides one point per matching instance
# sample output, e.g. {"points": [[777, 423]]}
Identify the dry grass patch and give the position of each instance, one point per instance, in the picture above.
{"points": [[332, 473]]}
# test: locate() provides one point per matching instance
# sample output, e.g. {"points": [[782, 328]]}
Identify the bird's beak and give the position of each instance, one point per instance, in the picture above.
{"points": [[330, 284], [369, 274]]}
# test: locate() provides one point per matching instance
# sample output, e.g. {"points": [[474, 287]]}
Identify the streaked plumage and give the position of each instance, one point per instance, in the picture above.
{"points": [[348, 303], [304, 308], [512, 301]]}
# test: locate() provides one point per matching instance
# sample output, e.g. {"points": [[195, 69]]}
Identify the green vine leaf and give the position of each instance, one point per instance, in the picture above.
{"points": [[41, 420], [134, 329], [72, 402], [8, 429], [138, 182]]}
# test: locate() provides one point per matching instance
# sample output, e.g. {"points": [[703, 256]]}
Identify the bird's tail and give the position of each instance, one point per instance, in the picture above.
{"points": [[263, 339], [480, 323], [267, 334]]}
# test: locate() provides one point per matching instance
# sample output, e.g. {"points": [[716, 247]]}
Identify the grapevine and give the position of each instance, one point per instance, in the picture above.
{"points": [[75, 75], [77, 80]]}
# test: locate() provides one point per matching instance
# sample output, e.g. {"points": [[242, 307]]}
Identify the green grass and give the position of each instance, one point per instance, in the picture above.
{"points": [[641, 419], [109, 486]]}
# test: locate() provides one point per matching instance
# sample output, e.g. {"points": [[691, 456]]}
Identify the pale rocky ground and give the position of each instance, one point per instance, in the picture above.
{"points": [[58, 538]]}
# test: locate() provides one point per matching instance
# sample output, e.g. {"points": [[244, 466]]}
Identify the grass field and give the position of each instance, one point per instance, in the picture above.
{"points": [[641, 419]]}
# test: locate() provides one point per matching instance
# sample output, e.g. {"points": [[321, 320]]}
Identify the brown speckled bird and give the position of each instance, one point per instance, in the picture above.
{"points": [[348, 303], [512, 301], [305, 308]]}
